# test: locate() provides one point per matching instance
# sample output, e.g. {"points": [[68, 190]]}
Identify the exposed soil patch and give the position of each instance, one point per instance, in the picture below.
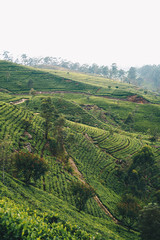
{"points": [[98, 90], [19, 101], [28, 135], [88, 138], [134, 98], [68, 80], [76, 171], [137, 99], [90, 107], [28, 147]]}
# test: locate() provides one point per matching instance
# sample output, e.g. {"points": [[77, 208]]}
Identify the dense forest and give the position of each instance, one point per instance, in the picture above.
{"points": [[147, 76]]}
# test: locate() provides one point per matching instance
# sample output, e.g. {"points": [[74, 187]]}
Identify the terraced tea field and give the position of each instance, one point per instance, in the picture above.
{"points": [[117, 145], [99, 136], [31, 136]]}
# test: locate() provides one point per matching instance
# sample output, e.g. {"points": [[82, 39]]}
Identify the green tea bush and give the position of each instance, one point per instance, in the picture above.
{"points": [[17, 223]]}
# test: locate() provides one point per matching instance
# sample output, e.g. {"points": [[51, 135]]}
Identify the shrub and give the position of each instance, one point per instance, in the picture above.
{"points": [[82, 193], [128, 209], [149, 223], [29, 165]]}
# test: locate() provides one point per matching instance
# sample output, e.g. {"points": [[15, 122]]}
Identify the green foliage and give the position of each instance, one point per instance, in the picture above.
{"points": [[52, 145], [129, 119], [157, 195], [155, 135], [150, 75], [30, 83], [32, 92], [132, 74], [142, 172], [128, 209], [24, 128], [17, 223], [29, 166], [47, 112], [20, 79], [97, 166], [27, 123], [42, 202], [75, 112], [103, 158], [144, 157], [5, 156], [82, 193], [146, 116], [149, 222], [59, 135]]}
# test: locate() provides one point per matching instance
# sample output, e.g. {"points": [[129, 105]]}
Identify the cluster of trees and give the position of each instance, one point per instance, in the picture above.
{"points": [[112, 72], [141, 174], [29, 166], [142, 186], [82, 192], [54, 123], [23, 165], [148, 75], [145, 219], [149, 222]]}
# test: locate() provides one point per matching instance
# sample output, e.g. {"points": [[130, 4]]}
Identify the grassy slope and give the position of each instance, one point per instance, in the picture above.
{"points": [[92, 79], [15, 78], [104, 112], [145, 116], [117, 88], [69, 109]]}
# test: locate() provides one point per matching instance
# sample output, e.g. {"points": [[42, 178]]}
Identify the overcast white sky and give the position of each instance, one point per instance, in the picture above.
{"points": [[125, 32]]}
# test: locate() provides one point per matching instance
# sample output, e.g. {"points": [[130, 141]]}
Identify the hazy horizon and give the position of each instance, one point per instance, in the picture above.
{"points": [[99, 31]]}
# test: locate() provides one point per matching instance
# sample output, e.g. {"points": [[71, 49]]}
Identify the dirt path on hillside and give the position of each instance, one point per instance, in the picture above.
{"points": [[19, 101], [105, 209], [76, 171], [79, 175], [134, 98]]}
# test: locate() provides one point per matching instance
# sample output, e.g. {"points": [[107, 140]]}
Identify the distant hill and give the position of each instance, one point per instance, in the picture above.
{"points": [[19, 79], [147, 76], [16, 78]]}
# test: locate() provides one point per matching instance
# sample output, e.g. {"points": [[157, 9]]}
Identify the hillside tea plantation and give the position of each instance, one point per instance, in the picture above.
{"points": [[88, 136]]}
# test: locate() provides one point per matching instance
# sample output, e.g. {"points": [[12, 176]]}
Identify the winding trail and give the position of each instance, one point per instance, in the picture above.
{"points": [[19, 101], [79, 175], [134, 98]]}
